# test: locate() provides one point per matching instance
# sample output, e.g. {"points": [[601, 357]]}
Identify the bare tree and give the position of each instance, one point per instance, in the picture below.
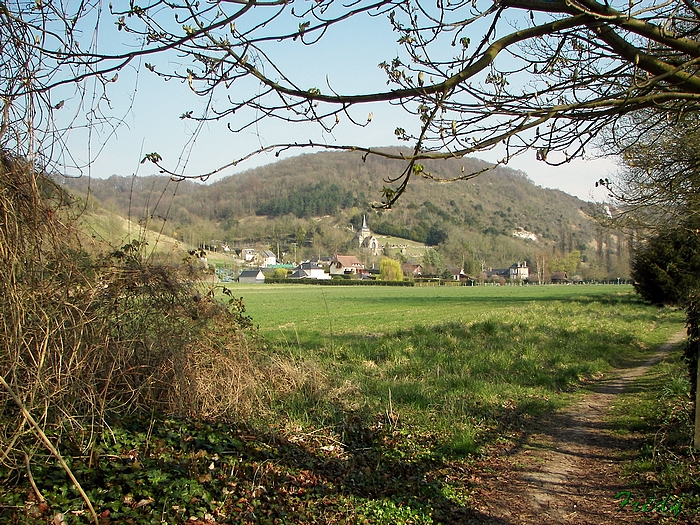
{"points": [[538, 76], [658, 183]]}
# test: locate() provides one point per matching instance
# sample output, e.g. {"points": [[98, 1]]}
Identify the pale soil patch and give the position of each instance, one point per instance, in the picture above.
{"points": [[568, 471]]}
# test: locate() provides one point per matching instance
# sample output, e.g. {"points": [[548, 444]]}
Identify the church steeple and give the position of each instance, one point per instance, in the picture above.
{"points": [[365, 238]]}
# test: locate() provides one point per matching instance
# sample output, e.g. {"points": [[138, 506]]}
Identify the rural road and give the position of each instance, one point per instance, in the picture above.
{"points": [[568, 470]]}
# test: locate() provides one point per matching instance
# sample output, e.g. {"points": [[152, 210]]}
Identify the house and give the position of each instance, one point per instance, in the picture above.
{"points": [[346, 265], [247, 254], [516, 272], [412, 269], [267, 258], [251, 277], [492, 273], [321, 261], [519, 272], [560, 278], [309, 270], [457, 274]]}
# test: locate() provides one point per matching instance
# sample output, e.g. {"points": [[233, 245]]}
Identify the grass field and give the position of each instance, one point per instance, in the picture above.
{"points": [[314, 313], [456, 359]]}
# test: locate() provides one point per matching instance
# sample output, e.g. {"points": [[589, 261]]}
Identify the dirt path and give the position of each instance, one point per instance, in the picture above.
{"points": [[567, 472]]}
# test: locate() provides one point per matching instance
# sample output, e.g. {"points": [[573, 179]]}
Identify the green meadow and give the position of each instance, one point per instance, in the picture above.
{"points": [[317, 313], [463, 361]]}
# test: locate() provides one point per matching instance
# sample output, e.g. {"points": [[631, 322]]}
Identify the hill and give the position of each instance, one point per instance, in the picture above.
{"points": [[318, 200]]}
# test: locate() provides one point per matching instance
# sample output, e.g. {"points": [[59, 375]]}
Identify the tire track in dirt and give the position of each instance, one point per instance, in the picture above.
{"points": [[568, 471]]}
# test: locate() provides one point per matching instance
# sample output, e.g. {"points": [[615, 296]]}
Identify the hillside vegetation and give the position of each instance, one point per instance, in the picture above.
{"points": [[318, 200]]}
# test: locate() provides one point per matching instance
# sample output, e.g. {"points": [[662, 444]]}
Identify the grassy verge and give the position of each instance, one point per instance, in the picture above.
{"points": [[657, 417]]}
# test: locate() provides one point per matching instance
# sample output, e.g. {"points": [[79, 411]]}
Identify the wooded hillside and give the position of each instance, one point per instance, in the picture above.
{"points": [[318, 200]]}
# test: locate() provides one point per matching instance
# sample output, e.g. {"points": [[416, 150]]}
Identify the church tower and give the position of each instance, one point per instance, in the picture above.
{"points": [[365, 239]]}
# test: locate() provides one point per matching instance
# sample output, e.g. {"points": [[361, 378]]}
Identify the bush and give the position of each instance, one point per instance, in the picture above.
{"points": [[692, 344], [667, 268], [87, 338]]}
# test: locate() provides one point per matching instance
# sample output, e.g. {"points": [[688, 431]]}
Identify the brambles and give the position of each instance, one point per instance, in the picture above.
{"points": [[88, 339]]}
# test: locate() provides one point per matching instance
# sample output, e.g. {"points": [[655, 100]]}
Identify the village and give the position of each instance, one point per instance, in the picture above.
{"points": [[257, 266]]}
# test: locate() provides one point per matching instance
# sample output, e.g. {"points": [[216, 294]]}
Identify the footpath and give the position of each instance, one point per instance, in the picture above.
{"points": [[568, 470]]}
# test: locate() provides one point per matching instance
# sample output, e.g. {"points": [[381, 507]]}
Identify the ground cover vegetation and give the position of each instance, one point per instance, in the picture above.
{"points": [[656, 417]]}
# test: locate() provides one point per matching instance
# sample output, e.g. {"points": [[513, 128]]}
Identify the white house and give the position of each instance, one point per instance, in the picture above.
{"points": [[267, 258], [457, 274], [519, 271], [247, 254], [309, 270], [516, 272]]}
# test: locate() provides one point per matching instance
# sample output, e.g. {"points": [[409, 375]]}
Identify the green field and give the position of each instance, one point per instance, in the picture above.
{"points": [[457, 359], [312, 313]]}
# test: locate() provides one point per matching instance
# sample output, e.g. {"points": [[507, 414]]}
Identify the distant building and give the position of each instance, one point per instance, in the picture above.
{"points": [[516, 272], [321, 261], [491, 273], [560, 278], [346, 265], [309, 270], [267, 258], [366, 240], [457, 274], [519, 271], [412, 269], [247, 254], [251, 277]]}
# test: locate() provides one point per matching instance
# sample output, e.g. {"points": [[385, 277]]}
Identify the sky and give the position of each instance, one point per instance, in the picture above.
{"points": [[149, 110]]}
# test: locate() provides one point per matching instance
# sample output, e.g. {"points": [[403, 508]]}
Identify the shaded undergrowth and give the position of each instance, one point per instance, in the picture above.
{"points": [[175, 471]]}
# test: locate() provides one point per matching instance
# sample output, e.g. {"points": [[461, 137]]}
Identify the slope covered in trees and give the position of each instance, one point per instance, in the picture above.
{"points": [[318, 201]]}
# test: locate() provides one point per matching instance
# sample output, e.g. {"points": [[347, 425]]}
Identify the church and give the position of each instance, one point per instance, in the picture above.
{"points": [[366, 240]]}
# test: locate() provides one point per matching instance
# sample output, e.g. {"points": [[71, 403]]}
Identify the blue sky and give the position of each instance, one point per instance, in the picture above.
{"points": [[346, 59]]}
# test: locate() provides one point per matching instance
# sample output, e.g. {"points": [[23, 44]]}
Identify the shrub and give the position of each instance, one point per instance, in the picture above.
{"points": [[667, 268], [87, 338]]}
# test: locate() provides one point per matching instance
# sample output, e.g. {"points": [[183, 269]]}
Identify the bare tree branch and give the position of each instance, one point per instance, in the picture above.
{"points": [[529, 76]]}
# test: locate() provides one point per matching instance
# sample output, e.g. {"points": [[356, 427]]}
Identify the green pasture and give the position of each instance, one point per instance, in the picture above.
{"points": [[313, 315], [461, 360]]}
